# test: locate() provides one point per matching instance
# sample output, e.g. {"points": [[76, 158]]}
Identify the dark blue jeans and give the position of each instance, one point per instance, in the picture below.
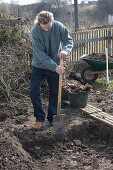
{"points": [[52, 78]]}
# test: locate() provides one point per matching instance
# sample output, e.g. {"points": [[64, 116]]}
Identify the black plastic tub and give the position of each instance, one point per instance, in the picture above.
{"points": [[78, 99]]}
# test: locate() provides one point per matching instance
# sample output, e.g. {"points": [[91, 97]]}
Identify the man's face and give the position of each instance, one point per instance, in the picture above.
{"points": [[46, 27]]}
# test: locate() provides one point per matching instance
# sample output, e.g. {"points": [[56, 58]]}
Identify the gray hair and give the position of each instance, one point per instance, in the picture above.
{"points": [[44, 17]]}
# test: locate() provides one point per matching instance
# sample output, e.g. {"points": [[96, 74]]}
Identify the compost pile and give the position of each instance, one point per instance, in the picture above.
{"points": [[100, 57], [74, 86]]}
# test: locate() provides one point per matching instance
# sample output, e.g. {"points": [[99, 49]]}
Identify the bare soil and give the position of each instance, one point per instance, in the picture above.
{"points": [[86, 145]]}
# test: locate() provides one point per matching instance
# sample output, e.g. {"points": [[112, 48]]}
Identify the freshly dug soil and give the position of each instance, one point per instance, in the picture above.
{"points": [[86, 145]]}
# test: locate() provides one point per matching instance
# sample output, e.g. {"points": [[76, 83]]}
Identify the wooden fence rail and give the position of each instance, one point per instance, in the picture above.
{"points": [[91, 41]]}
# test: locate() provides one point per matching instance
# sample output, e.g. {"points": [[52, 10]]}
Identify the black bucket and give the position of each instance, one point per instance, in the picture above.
{"points": [[78, 99]]}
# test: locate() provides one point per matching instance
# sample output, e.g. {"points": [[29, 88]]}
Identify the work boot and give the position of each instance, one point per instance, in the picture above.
{"points": [[38, 124], [50, 120]]}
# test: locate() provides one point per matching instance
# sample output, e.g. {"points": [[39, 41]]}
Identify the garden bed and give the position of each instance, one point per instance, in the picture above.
{"points": [[86, 145]]}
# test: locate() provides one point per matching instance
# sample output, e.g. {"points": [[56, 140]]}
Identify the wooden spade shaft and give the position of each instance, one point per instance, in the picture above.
{"points": [[60, 89]]}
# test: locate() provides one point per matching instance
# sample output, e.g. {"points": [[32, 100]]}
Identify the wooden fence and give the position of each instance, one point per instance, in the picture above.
{"points": [[91, 41]]}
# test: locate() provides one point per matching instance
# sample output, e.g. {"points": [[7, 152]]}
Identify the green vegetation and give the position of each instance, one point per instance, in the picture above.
{"points": [[100, 85]]}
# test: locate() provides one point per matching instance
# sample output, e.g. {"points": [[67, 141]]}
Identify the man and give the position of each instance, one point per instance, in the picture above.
{"points": [[51, 41]]}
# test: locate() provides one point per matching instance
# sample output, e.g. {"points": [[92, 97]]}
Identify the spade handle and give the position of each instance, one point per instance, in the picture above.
{"points": [[60, 89]]}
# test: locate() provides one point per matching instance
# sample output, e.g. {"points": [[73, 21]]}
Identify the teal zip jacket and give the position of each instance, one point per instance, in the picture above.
{"points": [[47, 44]]}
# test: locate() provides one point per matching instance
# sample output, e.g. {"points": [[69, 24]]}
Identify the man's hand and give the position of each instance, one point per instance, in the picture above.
{"points": [[59, 70], [62, 54]]}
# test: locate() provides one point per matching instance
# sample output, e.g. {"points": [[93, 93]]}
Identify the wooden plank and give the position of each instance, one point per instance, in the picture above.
{"points": [[98, 114], [102, 120], [102, 116], [93, 109]]}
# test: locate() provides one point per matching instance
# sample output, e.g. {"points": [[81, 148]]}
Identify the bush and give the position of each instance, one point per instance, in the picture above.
{"points": [[10, 35], [13, 78], [15, 62]]}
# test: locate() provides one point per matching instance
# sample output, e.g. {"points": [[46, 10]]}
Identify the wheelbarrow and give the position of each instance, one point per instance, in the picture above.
{"points": [[90, 73]]}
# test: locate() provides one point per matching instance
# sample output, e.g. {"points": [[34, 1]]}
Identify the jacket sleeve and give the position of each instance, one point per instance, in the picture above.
{"points": [[40, 53], [67, 41]]}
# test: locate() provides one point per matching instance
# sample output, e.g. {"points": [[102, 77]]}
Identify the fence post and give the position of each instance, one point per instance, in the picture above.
{"points": [[109, 42], [76, 15]]}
